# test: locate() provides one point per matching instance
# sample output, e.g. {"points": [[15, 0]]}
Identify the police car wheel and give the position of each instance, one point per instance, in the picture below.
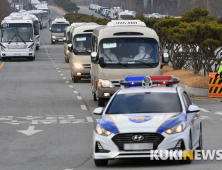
{"points": [[101, 102], [187, 161], [101, 162]]}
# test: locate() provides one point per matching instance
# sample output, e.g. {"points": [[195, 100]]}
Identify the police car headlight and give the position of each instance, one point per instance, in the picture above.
{"points": [[105, 83], [101, 131], [176, 129]]}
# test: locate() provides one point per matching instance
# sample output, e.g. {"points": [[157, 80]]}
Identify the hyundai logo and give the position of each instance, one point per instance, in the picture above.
{"points": [[137, 138]]}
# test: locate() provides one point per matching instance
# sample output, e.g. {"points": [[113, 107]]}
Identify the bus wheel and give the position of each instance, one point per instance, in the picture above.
{"points": [[3, 59], [37, 47], [101, 102], [31, 59], [94, 97], [53, 42], [76, 79]]}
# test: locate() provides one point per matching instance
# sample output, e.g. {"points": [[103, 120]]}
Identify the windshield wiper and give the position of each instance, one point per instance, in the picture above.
{"points": [[150, 112], [11, 39], [122, 64], [21, 39], [144, 63]]}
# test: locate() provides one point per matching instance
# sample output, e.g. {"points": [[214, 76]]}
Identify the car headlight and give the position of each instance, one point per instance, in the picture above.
{"points": [[176, 129], [78, 66], [2, 48], [53, 37], [101, 131], [105, 83]]}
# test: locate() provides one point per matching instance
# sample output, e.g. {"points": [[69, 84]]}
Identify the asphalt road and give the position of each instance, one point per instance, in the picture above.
{"points": [[46, 121]]}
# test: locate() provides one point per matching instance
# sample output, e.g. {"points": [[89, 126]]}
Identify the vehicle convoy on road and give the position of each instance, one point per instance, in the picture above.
{"points": [[18, 36], [120, 49], [57, 29], [80, 50], [140, 118], [114, 12]]}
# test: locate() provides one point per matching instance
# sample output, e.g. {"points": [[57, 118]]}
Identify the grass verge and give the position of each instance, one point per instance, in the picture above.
{"points": [[187, 77]]}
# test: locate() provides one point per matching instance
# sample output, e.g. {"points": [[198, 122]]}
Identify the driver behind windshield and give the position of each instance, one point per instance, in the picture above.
{"points": [[142, 53], [108, 56], [80, 46]]}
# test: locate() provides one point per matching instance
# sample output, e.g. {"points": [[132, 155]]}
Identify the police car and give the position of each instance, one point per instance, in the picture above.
{"points": [[148, 113]]}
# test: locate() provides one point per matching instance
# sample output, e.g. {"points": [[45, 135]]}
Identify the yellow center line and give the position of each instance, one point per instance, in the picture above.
{"points": [[2, 65]]}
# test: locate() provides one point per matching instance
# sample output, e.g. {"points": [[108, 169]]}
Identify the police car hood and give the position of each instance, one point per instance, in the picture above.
{"points": [[146, 122]]}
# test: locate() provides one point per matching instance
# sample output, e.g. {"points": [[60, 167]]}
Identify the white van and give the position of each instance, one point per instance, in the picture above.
{"points": [[114, 12], [80, 50], [122, 48], [126, 15], [58, 29]]}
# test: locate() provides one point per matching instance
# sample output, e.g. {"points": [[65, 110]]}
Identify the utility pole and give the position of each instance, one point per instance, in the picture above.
{"points": [[178, 7], [158, 5], [208, 2]]}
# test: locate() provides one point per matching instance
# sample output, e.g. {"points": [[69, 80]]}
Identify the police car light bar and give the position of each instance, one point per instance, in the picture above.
{"points": [[138, 80]]}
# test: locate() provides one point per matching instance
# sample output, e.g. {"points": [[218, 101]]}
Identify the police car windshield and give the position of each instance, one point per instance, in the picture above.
{"points": [[24, 30], [59, 28], [82, 42], [145, 103], [129, 51]]}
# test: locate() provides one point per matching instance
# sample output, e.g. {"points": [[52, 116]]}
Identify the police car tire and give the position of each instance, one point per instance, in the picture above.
{"points": [[101, 162], [31, 59], [187, 161], [200, 147], [101, 102]]}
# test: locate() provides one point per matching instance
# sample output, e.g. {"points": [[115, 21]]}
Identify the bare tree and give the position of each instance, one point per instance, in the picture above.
{"points": [[5, 9]]}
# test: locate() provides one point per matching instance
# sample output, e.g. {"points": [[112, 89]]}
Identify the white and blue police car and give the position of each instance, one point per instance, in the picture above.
{"points": [[148, 113]]}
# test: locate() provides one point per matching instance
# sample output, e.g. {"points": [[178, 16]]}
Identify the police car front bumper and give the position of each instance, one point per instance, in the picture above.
{"points": [[112, 151]]}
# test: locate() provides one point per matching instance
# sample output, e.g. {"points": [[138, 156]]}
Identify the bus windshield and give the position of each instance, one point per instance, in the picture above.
{"points": [[133, 52], [82, 42], [59, 28], [17, 32]]}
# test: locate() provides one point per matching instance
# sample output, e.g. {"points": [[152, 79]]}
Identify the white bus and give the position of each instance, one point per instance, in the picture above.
{"points": [[18, 37]]}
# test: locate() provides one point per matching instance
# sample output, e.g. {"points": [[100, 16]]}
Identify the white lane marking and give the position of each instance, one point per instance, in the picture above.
{"points": [[30, 131], [71, 86], [59, 71], [83, 107], [66, 81], [218, 113], [204, 110], [204, 117], [29, 117], [69, 169], [97, 120], [64, 78], [57, 68], [55, 65], [75, 92], [89, 119], [79, 97], [61, 74], [15, 122]]}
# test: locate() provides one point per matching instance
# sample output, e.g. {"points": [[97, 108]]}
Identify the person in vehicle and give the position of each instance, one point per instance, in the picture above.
{"points": [[80, 46], [108, 56], [142, 53]]}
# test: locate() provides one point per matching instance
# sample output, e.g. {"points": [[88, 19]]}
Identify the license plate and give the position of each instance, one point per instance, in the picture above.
{"points": [[138, 146], [17, 54], [60, 39]]}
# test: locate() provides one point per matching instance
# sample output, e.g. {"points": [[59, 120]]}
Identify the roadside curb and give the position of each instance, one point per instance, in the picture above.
{"points": [[197, 92], [59, 9]]}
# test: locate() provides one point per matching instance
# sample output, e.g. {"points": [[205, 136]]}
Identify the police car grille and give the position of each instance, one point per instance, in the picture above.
{"points": [[116, 83], [121, 139]]}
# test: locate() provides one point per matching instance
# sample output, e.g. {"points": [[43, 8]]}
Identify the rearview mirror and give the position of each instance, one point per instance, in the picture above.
{"points": [[94, 56], [98, 111], [70, 47], [193, 108], [165, 58]]}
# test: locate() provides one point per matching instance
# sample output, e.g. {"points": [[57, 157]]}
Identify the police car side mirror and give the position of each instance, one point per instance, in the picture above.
{"points": [[94, 57], [70, 47], [98, 111], [193, 108], [165, 58]]}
